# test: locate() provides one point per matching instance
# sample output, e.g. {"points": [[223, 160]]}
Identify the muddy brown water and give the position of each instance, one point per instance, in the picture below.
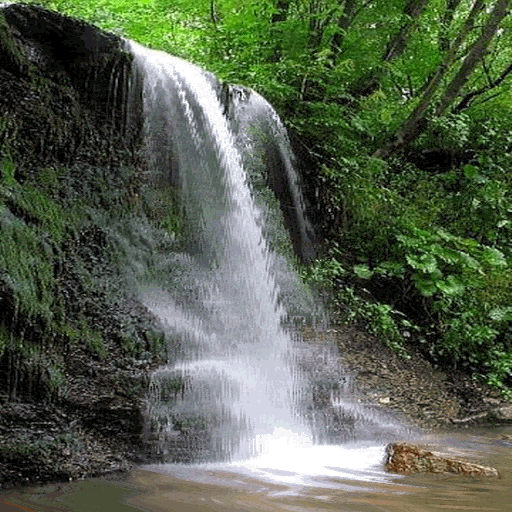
{"points": [[357, 483]]}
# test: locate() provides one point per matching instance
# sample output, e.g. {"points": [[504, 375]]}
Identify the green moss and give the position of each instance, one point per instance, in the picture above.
{"points": [[5, 339], [22, 448], [56, 379], [33, 227], [7, 167], [155, 341], [162, 206], [85, 336], [9, 50], [27, 261]]}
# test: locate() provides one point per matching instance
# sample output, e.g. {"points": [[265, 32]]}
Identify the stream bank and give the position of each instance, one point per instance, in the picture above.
{"points": [[96, 429], [413, 389]]}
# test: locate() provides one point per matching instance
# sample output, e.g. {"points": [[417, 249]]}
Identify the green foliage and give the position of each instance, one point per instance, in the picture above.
{"points": [[58, 267], [445, 264], [397, 224], [26, 258], [162, 206], [176, 27], [322, 273], [379, 319], [85, 336]]}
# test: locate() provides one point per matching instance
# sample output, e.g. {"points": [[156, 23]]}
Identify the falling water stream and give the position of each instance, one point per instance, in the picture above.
{"points": [[248, 415], [239, 392]]}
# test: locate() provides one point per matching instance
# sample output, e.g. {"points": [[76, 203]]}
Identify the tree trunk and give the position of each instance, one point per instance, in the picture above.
{"points": [[343, 23], [446, 21], [413, 10], [417, 121], [475, 56], [278, 17], [395, 47], [468, 99]]}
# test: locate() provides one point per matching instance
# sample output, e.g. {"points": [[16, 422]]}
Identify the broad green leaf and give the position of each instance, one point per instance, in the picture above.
{"points": [[425, 262], [425, 285], [446, 254], [408, 241], [452, 285], [391, 268], [363, 272], [469, 260], [494, 257], [501, 314], [472, 173], [445, 235]]}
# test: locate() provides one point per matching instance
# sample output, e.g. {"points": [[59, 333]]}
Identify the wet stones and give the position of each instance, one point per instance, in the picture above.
{"points": [[404, 458]]}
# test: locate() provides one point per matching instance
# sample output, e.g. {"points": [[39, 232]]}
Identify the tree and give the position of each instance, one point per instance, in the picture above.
{"points": [[394, 48], [446, 21], [348, 13], [417, 121]]}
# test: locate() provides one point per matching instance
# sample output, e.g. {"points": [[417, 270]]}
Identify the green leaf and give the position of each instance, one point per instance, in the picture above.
{"points": [[363, 272], [409, 241], [501, 314], [425, 285], [473, 173], [390, 268], [446, 254], [425, 262], [494, 257], [452, 285], [469, 260], [448, 237]]}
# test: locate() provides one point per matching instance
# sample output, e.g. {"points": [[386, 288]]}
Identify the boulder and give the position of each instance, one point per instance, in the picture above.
{"points": [[404, 458]]}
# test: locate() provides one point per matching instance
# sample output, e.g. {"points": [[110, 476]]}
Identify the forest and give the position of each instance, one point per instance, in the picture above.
{"points": [[400, 112]]}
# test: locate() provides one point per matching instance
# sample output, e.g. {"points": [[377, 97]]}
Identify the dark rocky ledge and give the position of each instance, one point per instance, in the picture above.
{"points": [[76, 347], [64, 90]]}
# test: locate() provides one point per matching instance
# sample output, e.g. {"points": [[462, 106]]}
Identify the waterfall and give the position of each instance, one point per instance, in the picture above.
{"points": [[237, 383], [241, 349]]}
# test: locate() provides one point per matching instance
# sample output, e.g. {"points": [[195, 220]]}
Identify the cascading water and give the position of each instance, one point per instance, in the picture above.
{"points": [[239, 386]]}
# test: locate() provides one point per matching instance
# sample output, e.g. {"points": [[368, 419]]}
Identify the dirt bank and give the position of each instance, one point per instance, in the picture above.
{"points": [[426, 397]]}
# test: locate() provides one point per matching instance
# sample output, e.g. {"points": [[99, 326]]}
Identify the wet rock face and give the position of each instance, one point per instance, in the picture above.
{"points": [[68, 96], [404, 458], [64, 91]]}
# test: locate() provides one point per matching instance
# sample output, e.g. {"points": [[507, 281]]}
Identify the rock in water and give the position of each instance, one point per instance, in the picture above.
{"points": [[404, 458]]}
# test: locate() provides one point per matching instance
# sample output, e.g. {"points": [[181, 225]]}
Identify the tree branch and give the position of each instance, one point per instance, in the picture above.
{"points": [[474, 56], [467, 100]]}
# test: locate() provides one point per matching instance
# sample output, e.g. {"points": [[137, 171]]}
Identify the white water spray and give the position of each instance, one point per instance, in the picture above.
{"points": [[237, 390], [247, 350]]}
